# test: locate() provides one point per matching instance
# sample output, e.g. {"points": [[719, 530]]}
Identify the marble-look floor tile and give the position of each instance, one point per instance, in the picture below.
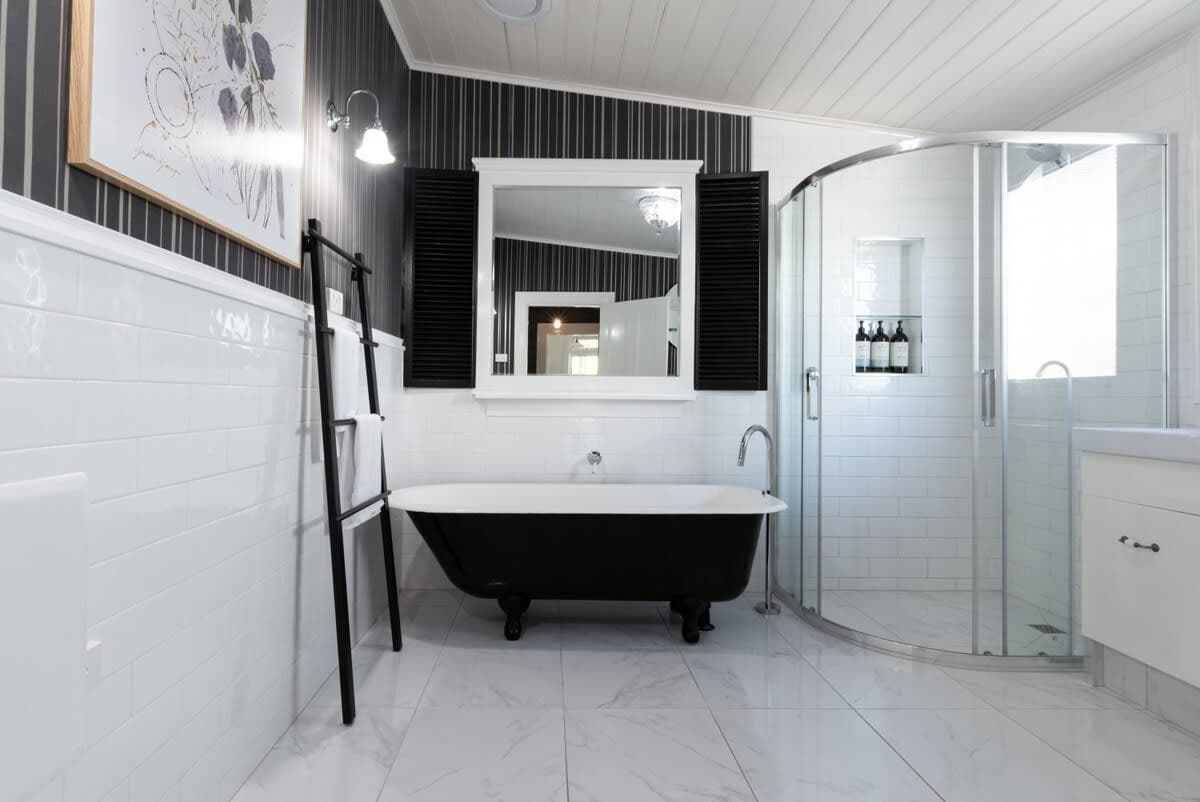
{"points": [[981, 756], [777, 680], [483, 627], [428, 624], [611, 626], [738, 630], [496, 755], [651, 755], [320, 759], [1138, 755], [629, 679], [473, 678], [806, 640], [1014, 690], [871, 680], [384, 678], [817, 756]]}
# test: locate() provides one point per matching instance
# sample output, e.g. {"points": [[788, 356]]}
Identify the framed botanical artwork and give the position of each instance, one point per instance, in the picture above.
{"points": [[195, 105]]}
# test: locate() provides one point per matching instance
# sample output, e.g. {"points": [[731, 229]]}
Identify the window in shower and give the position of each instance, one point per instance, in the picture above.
{"points": [[1061, 258]]}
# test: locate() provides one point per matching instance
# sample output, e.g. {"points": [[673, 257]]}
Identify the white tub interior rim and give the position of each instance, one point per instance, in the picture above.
{"points": [[585, 499]]}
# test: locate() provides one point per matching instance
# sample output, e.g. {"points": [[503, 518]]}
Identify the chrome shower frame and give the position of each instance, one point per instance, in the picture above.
{"points": [[1073, 661]]}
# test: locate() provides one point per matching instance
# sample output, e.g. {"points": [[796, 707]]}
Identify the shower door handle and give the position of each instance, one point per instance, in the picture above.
{"points": [[987, 395], [812, 384]]}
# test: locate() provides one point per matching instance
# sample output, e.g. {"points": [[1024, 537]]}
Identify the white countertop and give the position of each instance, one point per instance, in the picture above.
{"points": [[1177, 445]]}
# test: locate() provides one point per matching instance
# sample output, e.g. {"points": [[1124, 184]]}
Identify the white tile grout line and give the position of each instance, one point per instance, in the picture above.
{"points": [[858, 712], [995, 708], [412, 718], [562, 673], [720, 729]]}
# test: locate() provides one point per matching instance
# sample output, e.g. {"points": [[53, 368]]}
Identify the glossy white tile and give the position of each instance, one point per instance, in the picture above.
{"points": [[615, 626], [871, 680], [456, 755], [1013, 690], [635, 755], [818, 755], [596, 678], [980, 756], [37, 274], [321, 759], [384, 678], [1133, 752], [36, 413], [775, 680], [486, 678]]}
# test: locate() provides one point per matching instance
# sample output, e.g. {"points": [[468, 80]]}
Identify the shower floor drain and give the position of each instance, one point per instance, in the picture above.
{"points": [[1048, 629]]}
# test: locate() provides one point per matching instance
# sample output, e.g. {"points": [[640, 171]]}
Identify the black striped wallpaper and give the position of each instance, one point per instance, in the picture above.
{"points": [[349, 45], [432, 121], [455, 119], [523, 266]]}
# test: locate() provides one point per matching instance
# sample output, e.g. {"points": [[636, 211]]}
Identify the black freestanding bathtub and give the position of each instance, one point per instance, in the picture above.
{"points": [[689, 545]]}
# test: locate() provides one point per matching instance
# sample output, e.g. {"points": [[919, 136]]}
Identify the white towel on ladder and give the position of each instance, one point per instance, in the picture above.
{"points": [[346, 354], [360, 462]]}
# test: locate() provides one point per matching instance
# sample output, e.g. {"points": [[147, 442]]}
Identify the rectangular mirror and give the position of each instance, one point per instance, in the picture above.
{"points": [[585, 280]]}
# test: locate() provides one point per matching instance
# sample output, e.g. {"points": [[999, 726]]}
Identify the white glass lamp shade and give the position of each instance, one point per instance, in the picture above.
{"points": [[660, 211], [374, 148]]}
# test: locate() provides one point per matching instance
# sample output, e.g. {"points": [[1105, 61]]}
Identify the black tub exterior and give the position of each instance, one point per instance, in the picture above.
{"points": [[687, 560]]}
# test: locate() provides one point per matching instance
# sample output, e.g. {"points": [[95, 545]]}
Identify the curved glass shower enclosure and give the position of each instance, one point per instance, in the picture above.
{"points": [[930, 481]]}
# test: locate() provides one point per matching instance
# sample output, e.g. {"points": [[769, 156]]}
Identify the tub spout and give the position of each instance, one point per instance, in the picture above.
{"points": [[741, 456], [767, 606]]}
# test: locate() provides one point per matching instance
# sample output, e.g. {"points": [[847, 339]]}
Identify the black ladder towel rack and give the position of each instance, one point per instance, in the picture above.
{"points": [[314, 244]]}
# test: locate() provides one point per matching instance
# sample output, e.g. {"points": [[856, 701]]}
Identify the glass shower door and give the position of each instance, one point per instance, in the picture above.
{"points": [[1083, 297]]}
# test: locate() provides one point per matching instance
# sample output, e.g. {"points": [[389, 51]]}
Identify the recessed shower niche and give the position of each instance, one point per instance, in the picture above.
{"points": [[888, 279]]}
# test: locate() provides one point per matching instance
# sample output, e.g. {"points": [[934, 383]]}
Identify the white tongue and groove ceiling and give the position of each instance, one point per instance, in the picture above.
{"points": [[925, 64]]}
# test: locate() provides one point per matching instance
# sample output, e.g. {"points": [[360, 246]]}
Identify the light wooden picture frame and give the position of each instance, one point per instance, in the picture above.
{"points": [[196, 105]]}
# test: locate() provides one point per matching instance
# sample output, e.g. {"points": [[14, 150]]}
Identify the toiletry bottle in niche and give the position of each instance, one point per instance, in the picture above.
{"points": [[898, 357], [880, 350], [862, 350]]}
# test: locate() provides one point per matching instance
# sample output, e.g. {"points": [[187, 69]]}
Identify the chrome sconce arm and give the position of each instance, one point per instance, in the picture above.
{"points": [[374, 148], [336, 118]]}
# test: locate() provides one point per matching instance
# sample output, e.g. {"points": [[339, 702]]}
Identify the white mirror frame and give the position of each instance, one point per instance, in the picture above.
{"points": [[498, 173]]}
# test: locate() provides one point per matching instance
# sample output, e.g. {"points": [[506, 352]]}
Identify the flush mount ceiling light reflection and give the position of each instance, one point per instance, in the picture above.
{"points": [[374, 146], [660, 211], [516, 10]]}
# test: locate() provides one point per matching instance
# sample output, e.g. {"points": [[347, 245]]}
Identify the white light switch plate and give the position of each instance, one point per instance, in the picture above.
{"points": [[336, 301]]}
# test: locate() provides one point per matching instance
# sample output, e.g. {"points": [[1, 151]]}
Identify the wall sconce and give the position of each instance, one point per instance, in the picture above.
{"points": [[374, 147]]}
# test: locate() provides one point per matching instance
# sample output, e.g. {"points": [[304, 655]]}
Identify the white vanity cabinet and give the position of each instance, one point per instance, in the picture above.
{"points": [[1140, 549]]}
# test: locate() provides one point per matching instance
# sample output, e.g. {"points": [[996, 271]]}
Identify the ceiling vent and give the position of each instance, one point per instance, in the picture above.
{"points": [[516, 10]]}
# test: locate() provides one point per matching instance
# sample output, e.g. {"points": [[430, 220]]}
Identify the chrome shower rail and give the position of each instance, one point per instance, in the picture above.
{"points": [[978, 138]]}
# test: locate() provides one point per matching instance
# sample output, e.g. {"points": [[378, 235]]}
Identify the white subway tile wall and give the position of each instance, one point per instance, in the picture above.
{"points": [[190, 410]]}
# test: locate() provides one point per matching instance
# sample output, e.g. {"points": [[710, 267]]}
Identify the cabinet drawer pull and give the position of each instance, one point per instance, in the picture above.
{"points": [[1133, 544]]}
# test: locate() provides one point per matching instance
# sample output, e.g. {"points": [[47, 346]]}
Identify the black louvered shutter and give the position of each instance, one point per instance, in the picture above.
{"points": [[731, 281], [439, 278]]}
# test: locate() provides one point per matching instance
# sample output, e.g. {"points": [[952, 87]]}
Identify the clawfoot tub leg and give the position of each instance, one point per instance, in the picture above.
{"points": [[690, 608], [705, 623], [514, 607]]}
